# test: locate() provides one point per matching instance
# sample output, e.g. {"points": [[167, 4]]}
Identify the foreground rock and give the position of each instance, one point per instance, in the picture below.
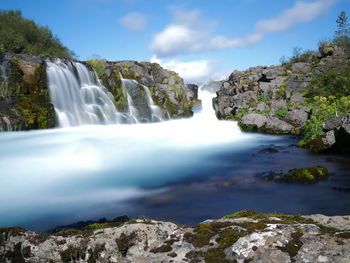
{"points": [[241, 237]]}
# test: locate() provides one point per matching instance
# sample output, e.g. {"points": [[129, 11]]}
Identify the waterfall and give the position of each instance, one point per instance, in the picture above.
{"points": [[140, 103], [78, 96], [3, 81]]}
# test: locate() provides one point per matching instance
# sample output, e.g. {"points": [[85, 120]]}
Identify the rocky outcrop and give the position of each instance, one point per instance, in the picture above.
{"points": [[167, 88], [336, 136], [25, 101], [265, 99], [270, 99], [241, 237], [24, 98]]}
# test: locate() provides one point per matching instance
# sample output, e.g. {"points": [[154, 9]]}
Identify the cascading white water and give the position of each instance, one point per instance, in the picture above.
{"points": [[155, 112], [78, 96], [3, 81]]}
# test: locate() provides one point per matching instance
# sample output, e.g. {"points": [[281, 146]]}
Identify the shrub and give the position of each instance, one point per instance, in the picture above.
{"points": [[20, 35]]}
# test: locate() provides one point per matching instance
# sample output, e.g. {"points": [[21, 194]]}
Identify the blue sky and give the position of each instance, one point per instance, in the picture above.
{"points": [[201, 39]]}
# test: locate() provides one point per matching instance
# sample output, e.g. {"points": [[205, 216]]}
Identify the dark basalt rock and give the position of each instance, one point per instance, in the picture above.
{"points": [[271, 149]]}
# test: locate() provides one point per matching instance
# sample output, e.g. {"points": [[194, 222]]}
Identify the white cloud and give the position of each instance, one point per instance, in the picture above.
{"points": [[197, 71], [188, 34], [302, 12], [134, 21]]}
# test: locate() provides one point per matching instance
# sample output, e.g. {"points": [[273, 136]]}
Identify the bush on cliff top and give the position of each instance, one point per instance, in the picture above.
{"points": [[21, 35]]}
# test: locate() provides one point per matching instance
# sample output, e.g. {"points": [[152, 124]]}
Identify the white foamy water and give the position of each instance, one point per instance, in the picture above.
{"points": [[52, 172]]}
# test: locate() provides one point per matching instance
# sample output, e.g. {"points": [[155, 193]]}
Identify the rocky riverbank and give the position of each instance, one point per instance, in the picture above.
{"points": [[292, 98], [24, 95], [241, 237]]}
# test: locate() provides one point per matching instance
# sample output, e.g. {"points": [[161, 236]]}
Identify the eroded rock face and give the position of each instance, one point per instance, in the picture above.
{"points": [[167, 88], [253, 238], [24, 99]]}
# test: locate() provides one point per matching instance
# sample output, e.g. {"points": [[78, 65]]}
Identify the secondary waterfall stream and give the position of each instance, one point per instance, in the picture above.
{"points": [[80, 98]]}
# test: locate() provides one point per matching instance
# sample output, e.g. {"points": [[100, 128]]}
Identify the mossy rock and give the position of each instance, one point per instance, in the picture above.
{"points": [[308, 175]]}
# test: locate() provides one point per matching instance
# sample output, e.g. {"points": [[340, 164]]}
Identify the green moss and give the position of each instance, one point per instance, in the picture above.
{"points": [[215, 255], [294, 245], [281, 113], [102, 225], [98, 66], [201, 235], [243, 213], [261, 97], [281, 91], [284, 218], [177, 77], [306, 175], [228, 237], [194, 256], [244, 110], [176, 89], [129, 75]]}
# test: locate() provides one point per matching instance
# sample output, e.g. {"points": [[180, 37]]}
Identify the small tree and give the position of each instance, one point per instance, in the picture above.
{"points": [[343, 26], [342, 35]]}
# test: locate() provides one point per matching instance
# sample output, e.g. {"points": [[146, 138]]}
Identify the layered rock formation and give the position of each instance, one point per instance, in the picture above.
{"points": [[271, 99], [241, 237], [25, 101]]}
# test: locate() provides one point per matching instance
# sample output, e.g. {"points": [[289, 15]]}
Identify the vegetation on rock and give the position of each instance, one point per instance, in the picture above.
{"points": [[21, 35], [306, 175]]}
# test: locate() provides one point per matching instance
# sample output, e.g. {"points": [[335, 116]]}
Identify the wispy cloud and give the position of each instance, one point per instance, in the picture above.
{"points": [[189, 34], [134, 21], [196, 71]]}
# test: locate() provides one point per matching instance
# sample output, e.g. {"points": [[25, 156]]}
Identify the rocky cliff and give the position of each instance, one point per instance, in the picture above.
{"points": [[25, 101], [279, 99], [24, 97], [167, 87], [241, 237]]}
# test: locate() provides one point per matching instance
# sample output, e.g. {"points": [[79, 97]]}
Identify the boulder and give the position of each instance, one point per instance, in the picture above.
{"points": [[276, 126], [253, 121], [305, 175], [332, 123], [296, 97], [297, 117], [301, 67]]}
